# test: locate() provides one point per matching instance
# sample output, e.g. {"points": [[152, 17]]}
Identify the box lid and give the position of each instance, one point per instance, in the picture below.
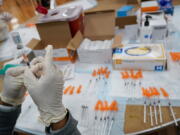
{"points": [[56, 33], [99, 24], [75, 41], [35, 44]]}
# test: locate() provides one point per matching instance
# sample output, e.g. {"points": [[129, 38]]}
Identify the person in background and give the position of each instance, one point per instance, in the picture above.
{"points": [[44, 82]]}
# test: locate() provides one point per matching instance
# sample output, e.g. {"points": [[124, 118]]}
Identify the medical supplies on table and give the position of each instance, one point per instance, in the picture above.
{"points": [[95, 51], [157, 24]]}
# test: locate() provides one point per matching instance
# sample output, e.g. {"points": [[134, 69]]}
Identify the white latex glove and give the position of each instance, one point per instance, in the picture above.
{"points": [[14, 90], [36, 66], [46, 91], [66, 70]]}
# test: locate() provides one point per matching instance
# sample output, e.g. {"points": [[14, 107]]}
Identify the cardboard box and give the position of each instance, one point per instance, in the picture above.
{"points": [[95, 52], [57, 29], [134, 123], [149, 6], [71, 15], [146, 57], [132, 1], [99, 25], [66, 54], [121, 22], [60, 36], [96, 29], [56, 33]]}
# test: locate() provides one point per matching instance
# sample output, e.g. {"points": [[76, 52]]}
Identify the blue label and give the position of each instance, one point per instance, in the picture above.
{"points": [[118, 50], [146, 36], [159, 68]]}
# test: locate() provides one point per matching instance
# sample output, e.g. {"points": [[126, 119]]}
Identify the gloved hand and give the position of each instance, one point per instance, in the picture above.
{"points": [[14, 90], [47, 90]]}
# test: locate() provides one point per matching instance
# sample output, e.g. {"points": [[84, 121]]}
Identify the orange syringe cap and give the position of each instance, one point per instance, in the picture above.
{"points": [[139, 74], [106, 107], [156, 91], [164, 92], [98, 105], [107, 74], [105, 70], [102, 107], [113, 106], [72, 90], [132, 75], [124, 75], [94, 73], [175, 56], [99, 72], [151, 91], [79, 89], [143, 91], [67, 89], [148, 93]]}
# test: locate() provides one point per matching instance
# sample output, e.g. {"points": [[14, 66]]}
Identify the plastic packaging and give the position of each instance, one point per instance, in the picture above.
{"points": [[167, 6], [74, 15], [95, 52]]}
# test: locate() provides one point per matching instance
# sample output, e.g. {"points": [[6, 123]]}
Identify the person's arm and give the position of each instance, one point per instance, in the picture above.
{"points": [[45, 84], [8, 117], [68, 126], [11, 99]]}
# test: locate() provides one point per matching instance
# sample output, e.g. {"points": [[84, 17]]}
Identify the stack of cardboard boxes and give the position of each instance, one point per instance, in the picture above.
{"points": [[98, 25]]}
